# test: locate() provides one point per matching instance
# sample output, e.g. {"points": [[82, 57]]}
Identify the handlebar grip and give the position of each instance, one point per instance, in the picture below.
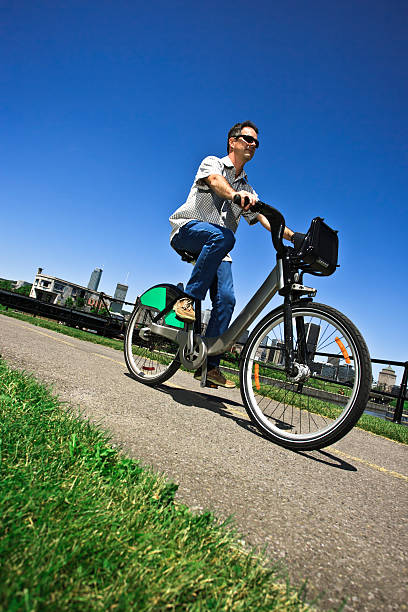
{"points": [[237, 199], [274, 216]]}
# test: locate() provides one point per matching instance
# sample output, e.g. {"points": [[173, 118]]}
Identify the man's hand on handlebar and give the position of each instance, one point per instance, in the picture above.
{"points": [[247, 199]]}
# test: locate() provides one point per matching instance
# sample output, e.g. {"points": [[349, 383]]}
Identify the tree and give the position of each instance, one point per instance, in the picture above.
{"points": [[24, 290], [6, 284]]}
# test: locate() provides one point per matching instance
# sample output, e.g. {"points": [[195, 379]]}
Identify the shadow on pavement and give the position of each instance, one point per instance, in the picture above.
{"points": [[219, 405], [213, 403], [332, 460]]}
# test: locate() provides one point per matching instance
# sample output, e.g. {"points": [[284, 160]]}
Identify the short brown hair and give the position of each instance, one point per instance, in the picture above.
{"points": [[237, 129]]}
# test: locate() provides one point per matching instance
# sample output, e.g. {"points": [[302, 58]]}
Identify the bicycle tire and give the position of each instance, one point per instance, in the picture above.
{"points": [[309, 415], [153, 359]]}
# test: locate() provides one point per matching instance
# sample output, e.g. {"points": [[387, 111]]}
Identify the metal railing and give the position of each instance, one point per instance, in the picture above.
{"points": [[110, 326], [402, 395], [107, 325], [397, 414]]}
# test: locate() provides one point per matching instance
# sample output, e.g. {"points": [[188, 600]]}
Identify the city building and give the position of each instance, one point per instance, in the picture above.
{"points": [[316, 368], [120, 294], [95, 279], [345, 373], [387, 378], [334, 361], [312, 338], [276, 353], [395, 390], [328, 371]]}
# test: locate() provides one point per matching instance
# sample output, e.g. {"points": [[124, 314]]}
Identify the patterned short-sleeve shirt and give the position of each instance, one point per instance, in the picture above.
{"points": [[203, 204]]}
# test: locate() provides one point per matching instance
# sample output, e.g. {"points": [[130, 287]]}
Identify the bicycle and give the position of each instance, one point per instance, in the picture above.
{"points": [[294, 358]]}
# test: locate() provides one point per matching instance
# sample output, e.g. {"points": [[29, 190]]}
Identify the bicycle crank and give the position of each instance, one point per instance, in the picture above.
{"points": [[193, 351]]}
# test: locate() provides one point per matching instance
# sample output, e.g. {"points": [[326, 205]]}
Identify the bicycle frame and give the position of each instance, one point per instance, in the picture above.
{"points": [[219, 344], [280, 279]]}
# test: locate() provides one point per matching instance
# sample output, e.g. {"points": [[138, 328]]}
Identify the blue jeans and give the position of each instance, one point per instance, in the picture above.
{"points": [[210, 243]]}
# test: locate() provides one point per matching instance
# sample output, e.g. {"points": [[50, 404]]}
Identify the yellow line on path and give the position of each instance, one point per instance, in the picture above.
{"points": [[373, 466], [109, 358], [68, 343], [50, 336]]}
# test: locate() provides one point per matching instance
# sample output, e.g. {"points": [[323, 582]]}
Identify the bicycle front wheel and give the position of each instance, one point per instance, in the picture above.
{"points": [[152, 359], [328, 402]]}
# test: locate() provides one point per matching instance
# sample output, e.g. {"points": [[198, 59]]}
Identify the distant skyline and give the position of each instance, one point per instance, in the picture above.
{"points": [[108, 109]]}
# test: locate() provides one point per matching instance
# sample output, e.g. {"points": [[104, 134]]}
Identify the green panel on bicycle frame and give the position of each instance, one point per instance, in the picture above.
{"points": [[156, 298], [170, 319]]}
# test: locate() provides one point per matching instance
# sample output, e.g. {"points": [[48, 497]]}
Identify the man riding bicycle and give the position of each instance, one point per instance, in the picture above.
{"points": [[205, 226]]}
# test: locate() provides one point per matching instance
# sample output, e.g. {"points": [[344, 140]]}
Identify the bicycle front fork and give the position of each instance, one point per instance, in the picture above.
{"points": [[301, 346], [288, 336]]}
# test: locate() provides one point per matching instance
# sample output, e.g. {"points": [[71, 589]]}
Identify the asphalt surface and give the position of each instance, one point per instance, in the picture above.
{"points": [[336, 517]]}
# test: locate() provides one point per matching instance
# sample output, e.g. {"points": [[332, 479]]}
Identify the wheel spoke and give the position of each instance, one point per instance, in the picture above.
{"points": [[151, 359], [329, 399]]}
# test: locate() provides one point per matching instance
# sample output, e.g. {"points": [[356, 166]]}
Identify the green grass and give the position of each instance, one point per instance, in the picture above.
{"points": [[313, 405], [384, 428], [85, 528], [315, 383], [370, 423], [393, 403]]}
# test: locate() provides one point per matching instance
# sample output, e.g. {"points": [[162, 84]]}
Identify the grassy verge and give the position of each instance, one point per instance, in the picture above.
{"points": [[367, 422], [63, 329], [84, 528]]}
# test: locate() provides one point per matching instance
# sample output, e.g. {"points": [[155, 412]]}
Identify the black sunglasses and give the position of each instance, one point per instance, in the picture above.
{"points": [[249, 139]]}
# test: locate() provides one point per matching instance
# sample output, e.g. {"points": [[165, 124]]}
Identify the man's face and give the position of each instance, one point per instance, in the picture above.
{"points": [[244, 151]]}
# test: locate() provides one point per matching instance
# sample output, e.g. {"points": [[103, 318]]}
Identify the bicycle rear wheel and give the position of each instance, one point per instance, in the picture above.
{"points": [[152, 359], [320, 410]]}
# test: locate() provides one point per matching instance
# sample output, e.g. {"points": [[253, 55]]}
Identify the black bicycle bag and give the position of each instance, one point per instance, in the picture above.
{"points": [[319, 250]]}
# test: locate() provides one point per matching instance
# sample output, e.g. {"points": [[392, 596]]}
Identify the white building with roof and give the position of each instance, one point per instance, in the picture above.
{"points": [[387, 378], [55, 290]]}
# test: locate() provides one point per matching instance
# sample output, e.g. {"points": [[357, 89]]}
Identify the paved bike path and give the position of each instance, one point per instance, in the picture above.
{"points": [[337, 517]]}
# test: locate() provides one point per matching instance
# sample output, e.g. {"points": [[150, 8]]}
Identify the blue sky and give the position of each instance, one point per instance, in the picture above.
{"points": [[108, 108]]}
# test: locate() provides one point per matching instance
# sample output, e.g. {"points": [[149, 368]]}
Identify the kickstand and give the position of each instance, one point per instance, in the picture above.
{"points": [[204, 382], [203, 374]]}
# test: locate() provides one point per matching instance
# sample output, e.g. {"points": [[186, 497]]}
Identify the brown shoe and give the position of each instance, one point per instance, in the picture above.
{"points": [[184, 309], [215, 377]]}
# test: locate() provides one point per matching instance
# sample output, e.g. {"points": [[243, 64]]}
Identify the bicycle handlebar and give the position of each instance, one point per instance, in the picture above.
{"points": [[275, 218]]}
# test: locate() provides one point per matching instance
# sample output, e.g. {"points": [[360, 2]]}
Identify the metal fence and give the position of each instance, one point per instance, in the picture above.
{"points": [[108, 325], [112, 326], [398, 415]]}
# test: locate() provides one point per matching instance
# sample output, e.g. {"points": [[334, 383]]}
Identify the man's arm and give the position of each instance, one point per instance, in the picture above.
{"points": [[223, 189], [287, 233]]}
